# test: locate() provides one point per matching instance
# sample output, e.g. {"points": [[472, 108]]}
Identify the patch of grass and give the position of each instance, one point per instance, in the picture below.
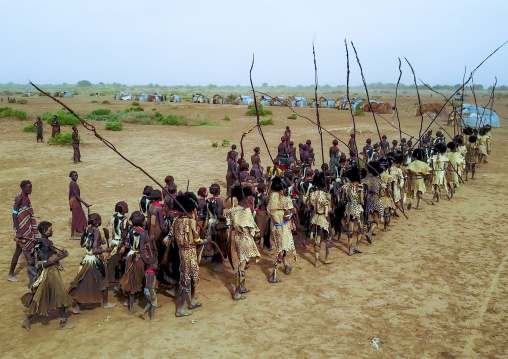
{"points": [[293, 116], [102, 114], [215, 144], [30, 128], [135, 103], [226, 118], [64, 118], [193, 120], [265, 122], [141, 118], [173, 120], [106, 102], [225, 142], [359, 111], [20, 114], [12, 100], [9, 112], [94, 101], [158, 115], [113, 125], [22, 101], [210, 126], [261, 111], [62, 139], [6, 112]]}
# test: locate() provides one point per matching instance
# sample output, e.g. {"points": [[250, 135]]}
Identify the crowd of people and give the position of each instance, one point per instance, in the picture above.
{"points": [[161, 245]]}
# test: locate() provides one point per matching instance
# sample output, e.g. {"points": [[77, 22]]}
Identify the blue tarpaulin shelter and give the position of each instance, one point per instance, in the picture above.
{"points": [[198, 98], [123, 96], [354, 103], [245, 100], [174, 98], [477, 118], [299, 102], [324, 102], [265, 100], [65, 94], [143, 97]]}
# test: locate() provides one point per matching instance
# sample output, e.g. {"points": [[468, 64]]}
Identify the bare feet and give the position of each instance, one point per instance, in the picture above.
{"points": [[327, 261], [237, 295], [194, 304], [76, 310], [64, 325], [274, 279], [182, 313], [154, 320], [109, 305], [12, 278], [26, 323]]}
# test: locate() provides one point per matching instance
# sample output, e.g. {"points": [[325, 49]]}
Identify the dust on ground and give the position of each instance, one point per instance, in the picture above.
{"points": [[435, 286]]}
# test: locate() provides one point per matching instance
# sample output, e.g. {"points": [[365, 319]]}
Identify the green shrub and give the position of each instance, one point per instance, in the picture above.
{"points": [[359, 111], [22, 101], [100, 112], [94, 101], [12, 100], [135, 103], [75, 93], [113, 125], [9, 112], [268, 121], [64, 118], [158, 115], [293, 116], [6, 112], [261, 111], [226, 118], [193, 120], [225, 142], [137, 108], [106, 102], [62, 139], [30, 128], [215, 144], [92, 94], [20, 114], [173, 120], [141, 118]]}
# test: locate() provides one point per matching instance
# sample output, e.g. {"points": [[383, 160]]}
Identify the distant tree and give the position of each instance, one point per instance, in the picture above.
{"points": [[84, 83], [265, 84]]}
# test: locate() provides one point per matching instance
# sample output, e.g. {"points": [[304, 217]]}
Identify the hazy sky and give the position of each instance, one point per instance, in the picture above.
{"points": [[211, 42]]}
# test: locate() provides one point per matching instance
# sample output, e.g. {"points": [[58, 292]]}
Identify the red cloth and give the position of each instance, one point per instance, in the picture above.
{"points": [[79, 221]]}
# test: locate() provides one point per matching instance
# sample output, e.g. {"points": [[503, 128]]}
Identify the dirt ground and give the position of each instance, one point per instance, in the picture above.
{"points": [[435, 286]]}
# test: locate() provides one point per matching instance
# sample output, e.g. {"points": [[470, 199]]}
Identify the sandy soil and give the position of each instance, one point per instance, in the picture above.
{"points": [[435, 286]]}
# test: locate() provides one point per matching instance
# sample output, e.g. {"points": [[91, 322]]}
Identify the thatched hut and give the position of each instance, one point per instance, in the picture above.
{"points": [[218, 99], [324, 102], [174, 98], [198, 98], [298, 102], [378, 107], [431, 108], [243, 100]]}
